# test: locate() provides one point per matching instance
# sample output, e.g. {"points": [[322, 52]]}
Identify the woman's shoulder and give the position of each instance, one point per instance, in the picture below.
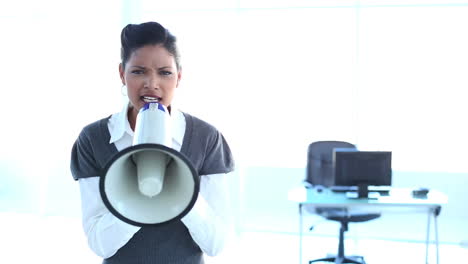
{"points": [[95, 126], [197, 123], [206, 147]]}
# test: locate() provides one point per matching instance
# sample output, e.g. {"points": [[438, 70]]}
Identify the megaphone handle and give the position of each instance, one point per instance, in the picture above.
{"points": [[150, 167]]}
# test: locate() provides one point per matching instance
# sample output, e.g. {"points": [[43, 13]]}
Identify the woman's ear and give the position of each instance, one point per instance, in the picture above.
{"points": [[179, 76], [122, 73]]}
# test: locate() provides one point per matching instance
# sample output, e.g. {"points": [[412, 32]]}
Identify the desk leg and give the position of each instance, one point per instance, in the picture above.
{"points": [[300, 233], [428, 231], [436, 231], [433, 212]]}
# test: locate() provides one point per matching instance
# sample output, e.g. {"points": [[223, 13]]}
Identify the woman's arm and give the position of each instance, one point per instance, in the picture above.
{"points": [[208, 222], [106, 233]]}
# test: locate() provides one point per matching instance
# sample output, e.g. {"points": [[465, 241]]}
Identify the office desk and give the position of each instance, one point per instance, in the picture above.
{"points": [[398, 198]]}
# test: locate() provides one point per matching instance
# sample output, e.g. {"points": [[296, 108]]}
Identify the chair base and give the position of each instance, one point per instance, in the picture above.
{"points": [[337, 260]]}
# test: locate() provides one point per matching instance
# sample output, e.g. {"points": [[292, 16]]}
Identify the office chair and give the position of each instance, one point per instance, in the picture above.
{"points": [[320, 173]]}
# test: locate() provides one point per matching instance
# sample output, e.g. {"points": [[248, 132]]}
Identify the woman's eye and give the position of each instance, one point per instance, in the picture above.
{"points": [[137, 71], [165, 73]]}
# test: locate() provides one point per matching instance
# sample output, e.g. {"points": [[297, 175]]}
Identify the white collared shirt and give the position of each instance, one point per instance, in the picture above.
{"points": [[207, 222]]}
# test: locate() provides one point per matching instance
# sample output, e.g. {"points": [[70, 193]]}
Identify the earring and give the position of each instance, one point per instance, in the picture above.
{"points": [[123, 90]]}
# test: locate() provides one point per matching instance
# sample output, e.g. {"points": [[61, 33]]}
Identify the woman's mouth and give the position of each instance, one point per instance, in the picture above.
{"points": [[150, 99]]}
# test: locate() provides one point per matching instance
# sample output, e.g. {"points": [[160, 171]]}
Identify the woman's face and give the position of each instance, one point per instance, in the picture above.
{"points": [[151, 75]]}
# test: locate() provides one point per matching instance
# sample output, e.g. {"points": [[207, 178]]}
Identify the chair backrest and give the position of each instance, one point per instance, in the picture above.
{"points": [[320, 162]]}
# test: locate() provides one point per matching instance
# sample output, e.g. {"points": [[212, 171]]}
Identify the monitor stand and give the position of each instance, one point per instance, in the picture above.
{"points": [[363, 191]]}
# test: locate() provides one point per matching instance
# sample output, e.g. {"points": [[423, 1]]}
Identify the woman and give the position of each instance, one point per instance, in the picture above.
{"points": [[151, 71]]}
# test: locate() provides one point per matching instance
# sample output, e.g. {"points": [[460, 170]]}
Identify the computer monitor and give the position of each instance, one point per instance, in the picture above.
{"points": [[362, 169]]}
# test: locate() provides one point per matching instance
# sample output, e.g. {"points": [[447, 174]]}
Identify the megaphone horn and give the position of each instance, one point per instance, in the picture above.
{"points": [[150, 183]]}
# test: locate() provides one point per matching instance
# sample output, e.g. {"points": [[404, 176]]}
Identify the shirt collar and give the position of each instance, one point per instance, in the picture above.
{"points": [[120, 125]]}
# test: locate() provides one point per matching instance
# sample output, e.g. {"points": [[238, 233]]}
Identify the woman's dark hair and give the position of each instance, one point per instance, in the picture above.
{"points": [[135, 36]]}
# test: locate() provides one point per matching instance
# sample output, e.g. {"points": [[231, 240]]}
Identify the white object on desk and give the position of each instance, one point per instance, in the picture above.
{"points": [[355, 195]]}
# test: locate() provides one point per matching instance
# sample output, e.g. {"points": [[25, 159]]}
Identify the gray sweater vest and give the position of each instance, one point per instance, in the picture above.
{"points": [[171, 243]]}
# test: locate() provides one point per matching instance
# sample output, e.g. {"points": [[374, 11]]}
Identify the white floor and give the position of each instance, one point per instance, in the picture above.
{"points": [[36, 239], [274, 248]]}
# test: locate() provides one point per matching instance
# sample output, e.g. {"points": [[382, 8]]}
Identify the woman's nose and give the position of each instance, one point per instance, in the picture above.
{"points": [[152, 82]]}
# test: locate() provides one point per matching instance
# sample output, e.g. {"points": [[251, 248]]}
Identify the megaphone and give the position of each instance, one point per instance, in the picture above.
{"points": [[150, 183]]}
